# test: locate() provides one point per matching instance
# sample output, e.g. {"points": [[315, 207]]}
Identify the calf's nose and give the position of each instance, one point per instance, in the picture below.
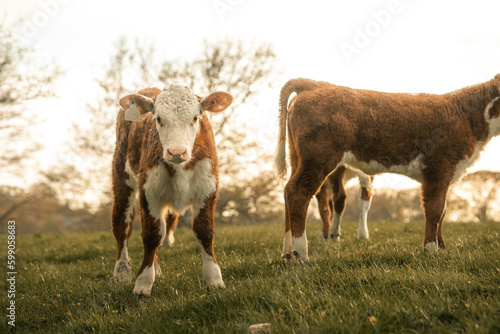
{"points": [[177, 153]]}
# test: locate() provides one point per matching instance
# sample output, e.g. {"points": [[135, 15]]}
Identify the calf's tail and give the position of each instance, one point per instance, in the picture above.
{"points": [[293, 86]]}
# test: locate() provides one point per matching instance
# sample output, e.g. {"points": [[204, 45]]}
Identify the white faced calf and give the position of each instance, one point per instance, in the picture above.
{"points": [[167, 155], [429, 138]]}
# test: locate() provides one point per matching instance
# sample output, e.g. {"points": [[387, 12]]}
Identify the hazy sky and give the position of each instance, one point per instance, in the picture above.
{"points": [[397, 46]]}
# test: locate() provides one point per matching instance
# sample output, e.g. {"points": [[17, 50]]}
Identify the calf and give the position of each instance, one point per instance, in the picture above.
{"points": [[429, 138], [331, 202], [166, 155]]}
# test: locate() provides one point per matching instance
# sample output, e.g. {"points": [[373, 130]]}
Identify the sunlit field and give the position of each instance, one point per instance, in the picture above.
{"points": [[385, 285]]}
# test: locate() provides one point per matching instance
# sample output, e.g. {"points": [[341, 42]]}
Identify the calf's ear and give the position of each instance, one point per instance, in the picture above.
{"points": [[216, 102], [136, 105]]}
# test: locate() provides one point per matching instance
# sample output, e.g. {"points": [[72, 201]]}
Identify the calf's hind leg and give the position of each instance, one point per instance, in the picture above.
{"points": [[172, 220], [298, 193], [364, 203], [339, 199]]}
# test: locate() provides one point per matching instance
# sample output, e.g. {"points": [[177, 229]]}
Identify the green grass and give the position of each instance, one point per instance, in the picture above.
{"points": [[65, 284]]}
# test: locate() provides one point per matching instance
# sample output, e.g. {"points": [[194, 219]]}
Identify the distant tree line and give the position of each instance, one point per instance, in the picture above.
{"points": [[41, 211]]}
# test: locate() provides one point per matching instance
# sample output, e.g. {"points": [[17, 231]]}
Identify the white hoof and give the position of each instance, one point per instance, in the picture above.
{"points": [[363, 235], [295, 249], [287, 246], [333, 238], [211, 271], [158, 271], [300, 248], [123, 271], [144, 282], [302, 259], [431, 247], [170, 239], [217, 283]]}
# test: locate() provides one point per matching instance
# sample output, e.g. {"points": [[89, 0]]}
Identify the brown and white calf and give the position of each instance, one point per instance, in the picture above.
{"points": [[429, 138], [332, 198], [165, 153]]}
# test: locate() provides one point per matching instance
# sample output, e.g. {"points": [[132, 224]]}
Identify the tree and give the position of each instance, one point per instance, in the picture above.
{"points": [[23, 77], [250, 200], [85, 179], [477, 193]]}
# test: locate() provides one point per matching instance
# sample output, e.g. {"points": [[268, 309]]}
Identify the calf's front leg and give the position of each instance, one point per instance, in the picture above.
{"points": [[434, 191], [153, 232], [122, 216], [203, 230]]}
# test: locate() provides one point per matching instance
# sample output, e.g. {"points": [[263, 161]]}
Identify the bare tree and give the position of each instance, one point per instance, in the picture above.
{"points": [[11, 199], [94, 137], [23, 77], [250, 200], [477, 193]]}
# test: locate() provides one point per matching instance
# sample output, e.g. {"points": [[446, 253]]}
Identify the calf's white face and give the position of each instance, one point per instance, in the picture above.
{"points": [[177, 115]]}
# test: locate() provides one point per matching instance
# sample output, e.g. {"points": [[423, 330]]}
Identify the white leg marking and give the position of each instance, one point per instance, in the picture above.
{"points": [[129, 210], [300, 247], [123, 268], [144, 281], [334, 233], [170, 239], [163, 226], [363, 207], [211, 271], [287, 244], [431, 247], [158, 272]]}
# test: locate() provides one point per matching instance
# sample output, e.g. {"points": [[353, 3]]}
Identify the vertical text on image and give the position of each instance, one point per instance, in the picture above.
{"points": [[11, 273]]}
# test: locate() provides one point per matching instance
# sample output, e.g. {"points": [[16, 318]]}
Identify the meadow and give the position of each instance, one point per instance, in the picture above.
{"points": [[385, 285]]}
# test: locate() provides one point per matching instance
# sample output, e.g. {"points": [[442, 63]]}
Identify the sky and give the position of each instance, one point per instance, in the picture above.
{"points": [[390, 45]]}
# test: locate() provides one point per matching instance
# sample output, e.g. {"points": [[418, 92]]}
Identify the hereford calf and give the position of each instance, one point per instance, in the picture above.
{"points": [[331, 202], [165, 152], [429, 138]]}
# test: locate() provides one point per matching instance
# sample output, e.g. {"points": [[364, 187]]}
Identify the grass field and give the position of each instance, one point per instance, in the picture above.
{"points": [[385, 285]]}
